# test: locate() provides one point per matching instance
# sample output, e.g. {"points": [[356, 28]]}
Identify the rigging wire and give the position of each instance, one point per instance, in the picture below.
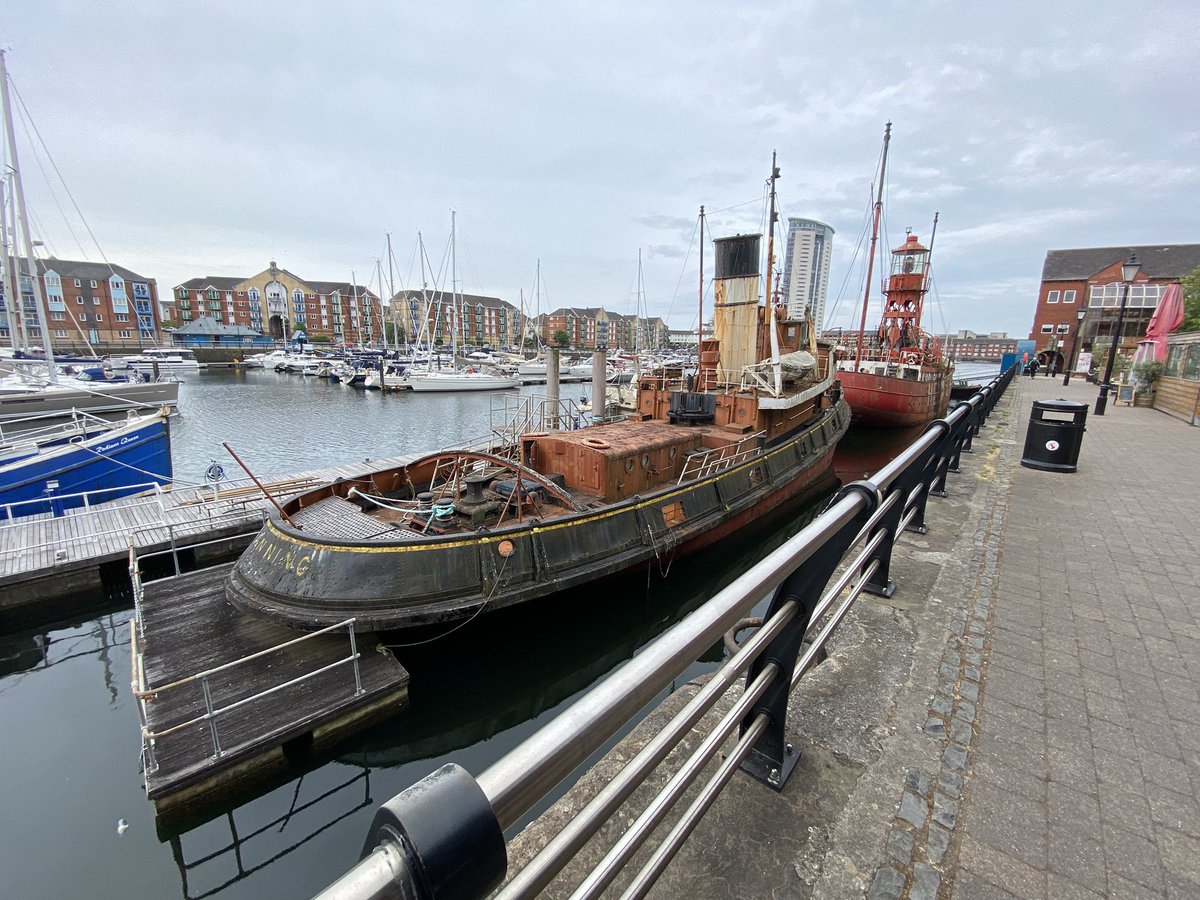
{"points": [[37, 158], [54, 165], [683, 269]]}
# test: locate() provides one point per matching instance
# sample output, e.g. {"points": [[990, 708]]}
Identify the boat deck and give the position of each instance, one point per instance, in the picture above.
{"points": [[188, 628]]}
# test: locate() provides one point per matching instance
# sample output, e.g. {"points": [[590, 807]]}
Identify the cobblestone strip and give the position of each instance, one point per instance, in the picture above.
{"points": [[920, 835]]}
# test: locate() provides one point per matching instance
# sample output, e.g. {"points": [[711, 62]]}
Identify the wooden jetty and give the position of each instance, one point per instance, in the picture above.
{"points": [[48, 564], [225, 697]]}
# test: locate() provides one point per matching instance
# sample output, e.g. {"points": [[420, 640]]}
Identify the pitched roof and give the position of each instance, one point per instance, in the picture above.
{"points": [[1158, 261], [69, 268], [445, 297], [220, 282], [341, 287], [205, 325]]}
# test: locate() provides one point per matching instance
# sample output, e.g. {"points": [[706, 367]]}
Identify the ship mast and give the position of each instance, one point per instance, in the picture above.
{"points": [[700, 312], [770, 292], [862, 325], [773, 218]]}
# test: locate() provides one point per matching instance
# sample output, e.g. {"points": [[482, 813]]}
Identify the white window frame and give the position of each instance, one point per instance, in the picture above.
{"points": [[1052, 297], [1064, 327], [1047, 329], [1068, 297]]}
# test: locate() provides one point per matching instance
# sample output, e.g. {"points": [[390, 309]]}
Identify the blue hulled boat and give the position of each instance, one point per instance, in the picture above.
{"points": [[48, 470]]}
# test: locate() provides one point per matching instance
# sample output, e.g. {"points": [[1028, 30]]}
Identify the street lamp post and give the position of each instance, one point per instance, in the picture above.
{"points": [[1128, 272], [1074, 358]]}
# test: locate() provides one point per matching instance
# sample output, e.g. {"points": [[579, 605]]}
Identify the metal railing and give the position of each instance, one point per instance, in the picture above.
{"points": [[449, 816], [703, 463], [144, 694], [88, 500]]}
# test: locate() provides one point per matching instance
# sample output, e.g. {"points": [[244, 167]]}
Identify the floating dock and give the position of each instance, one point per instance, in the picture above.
{"points": [[226, 697], [48, 564]]}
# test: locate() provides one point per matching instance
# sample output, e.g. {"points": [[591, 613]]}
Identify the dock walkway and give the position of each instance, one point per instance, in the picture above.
{"points": [[47, 561], [1021, 719], [270, 686]]}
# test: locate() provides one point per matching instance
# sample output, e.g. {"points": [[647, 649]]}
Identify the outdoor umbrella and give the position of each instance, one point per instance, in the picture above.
{"points": [[1167, 317]]}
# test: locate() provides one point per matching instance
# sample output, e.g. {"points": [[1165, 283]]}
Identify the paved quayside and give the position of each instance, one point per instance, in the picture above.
{"points": [[1022, 718]]}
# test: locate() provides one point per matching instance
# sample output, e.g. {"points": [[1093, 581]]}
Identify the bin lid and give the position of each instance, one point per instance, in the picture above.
{"points": [[1060, 405]]}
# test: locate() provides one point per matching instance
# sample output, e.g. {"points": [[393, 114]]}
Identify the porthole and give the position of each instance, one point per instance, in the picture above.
{"points": [[671, 452], [629, 465], [645, 460]]}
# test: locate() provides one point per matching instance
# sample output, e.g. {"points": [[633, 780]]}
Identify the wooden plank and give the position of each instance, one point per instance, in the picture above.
{"points": [[190, 627]]}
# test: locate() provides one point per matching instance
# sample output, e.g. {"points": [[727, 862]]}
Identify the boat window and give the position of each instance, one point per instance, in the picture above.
{"points": [[629, 465], [645, 460]]}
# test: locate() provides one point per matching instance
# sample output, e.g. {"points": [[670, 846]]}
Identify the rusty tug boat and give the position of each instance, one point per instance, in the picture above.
{"points": [[460, 531]]}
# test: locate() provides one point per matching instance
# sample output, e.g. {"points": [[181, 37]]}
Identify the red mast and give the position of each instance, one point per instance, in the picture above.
{"points": [[862, 325]]}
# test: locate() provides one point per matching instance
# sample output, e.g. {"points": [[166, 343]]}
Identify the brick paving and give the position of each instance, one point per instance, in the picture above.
{"points": [[1071, 698]]}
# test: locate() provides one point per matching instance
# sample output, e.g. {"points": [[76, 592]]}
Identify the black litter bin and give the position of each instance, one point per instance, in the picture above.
{"points": [[1055, 435]]}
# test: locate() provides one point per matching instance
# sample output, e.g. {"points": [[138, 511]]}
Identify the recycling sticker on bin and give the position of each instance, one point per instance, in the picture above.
{"points": [[1051, 445]]}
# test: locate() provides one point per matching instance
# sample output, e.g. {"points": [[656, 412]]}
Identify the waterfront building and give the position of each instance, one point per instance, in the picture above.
{"points": [[1090, 279], [280, 304], [485, 321], [589, 328], [967, 346], [87, 303], [806, 259]]}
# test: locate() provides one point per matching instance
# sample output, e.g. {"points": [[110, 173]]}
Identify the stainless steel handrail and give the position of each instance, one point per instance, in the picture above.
{"points": [[867, 515]]}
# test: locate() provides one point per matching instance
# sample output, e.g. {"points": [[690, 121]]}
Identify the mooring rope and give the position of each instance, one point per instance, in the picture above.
{"points": [[467, 621]]}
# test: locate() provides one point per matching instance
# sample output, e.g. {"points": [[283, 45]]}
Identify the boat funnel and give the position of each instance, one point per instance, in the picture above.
{"points": [[735, 314]]}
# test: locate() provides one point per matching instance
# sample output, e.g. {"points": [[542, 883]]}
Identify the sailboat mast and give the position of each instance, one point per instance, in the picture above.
{"points": [[23, 220], [455, 304], [928, 266], [391, 288], [700, 308], [11, 289], [862, 325]]}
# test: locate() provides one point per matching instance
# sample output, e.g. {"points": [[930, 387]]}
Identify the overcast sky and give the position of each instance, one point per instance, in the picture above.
{"points": [[211, 138]]}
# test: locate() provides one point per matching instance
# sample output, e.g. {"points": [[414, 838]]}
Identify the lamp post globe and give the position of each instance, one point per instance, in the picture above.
{"points": [[1128, 273]]}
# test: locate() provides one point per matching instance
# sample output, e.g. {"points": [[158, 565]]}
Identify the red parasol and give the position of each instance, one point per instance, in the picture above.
{"points": [[1167, 317]]}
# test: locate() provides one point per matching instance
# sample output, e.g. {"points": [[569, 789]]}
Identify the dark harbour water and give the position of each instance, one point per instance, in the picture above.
{"points": [[71, 764]]}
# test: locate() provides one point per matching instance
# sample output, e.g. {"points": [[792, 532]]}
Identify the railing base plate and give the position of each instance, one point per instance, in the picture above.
{"points": [[886, 592], [762, 768]]}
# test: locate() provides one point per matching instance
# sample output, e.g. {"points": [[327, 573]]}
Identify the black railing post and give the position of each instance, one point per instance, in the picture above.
{"points": [[773, 758], [924, 474]]}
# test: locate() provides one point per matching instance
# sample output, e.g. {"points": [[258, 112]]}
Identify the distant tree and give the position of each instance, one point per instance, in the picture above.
{"points": [[1191, 301], [562, 338]]}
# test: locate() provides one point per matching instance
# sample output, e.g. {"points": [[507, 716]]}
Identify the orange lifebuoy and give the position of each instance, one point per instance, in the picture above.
{"points": [[911, 359]]}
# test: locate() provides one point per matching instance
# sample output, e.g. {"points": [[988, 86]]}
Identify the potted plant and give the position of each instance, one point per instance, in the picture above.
{"points": [[1144, 376]]}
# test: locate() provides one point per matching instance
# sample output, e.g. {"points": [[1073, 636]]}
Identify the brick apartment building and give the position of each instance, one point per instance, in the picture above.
{"points": [[86, 303], [486, 321], [588, 328], [278, 303]]}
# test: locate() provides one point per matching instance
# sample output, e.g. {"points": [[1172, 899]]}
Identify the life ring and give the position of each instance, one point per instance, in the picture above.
{"points": [[910, 359], [597, 444]]}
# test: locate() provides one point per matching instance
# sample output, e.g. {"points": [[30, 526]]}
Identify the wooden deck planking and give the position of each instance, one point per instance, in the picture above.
{"points": [[91, 538], [189, 627]]}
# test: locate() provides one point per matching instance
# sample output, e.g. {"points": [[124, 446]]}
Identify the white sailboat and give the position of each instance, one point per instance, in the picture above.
{"points": [[458, 379]]}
